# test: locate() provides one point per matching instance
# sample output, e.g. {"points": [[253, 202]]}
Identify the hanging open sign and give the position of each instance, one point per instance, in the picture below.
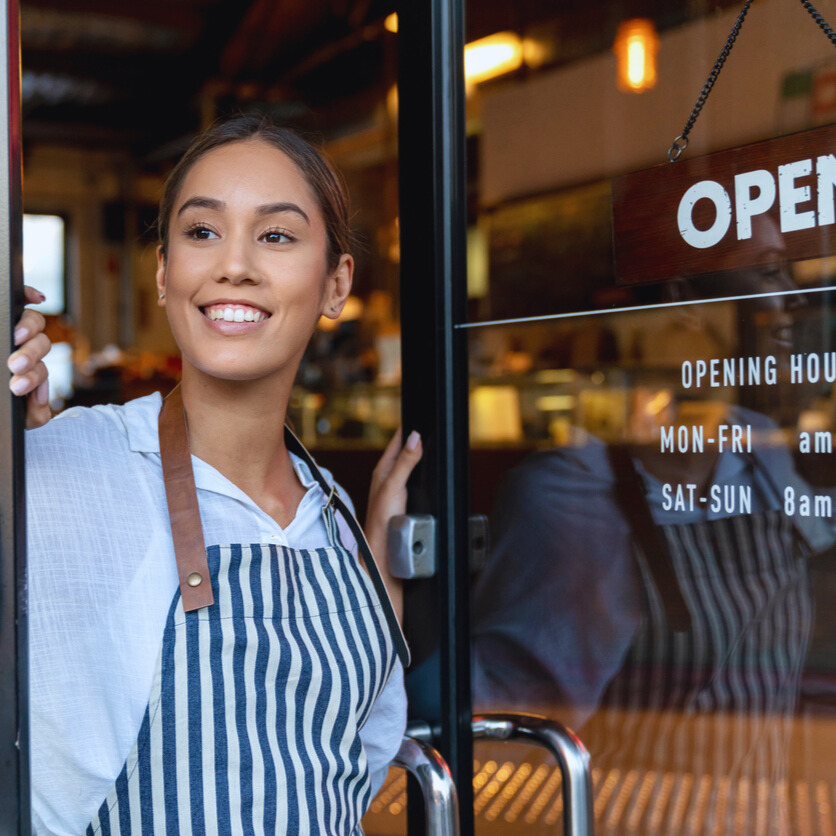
{"points": [[698, 216]]}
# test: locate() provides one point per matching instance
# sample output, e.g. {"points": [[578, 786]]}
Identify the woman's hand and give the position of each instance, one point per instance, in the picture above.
{"points": [[26, 363], [387, 498]]}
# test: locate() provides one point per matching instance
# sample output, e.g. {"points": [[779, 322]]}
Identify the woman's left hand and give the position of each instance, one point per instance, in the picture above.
{"points": [[387, 498], [29, 375]]}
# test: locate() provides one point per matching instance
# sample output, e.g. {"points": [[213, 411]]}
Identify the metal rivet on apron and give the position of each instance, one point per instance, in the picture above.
{"points": [[194, 579]]}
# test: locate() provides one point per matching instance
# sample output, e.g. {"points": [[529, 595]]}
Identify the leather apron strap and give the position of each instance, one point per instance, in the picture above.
{"points": [[183, 510]]}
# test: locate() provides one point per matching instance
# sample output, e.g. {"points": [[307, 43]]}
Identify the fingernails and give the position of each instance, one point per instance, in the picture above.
{"points": [[19, 386], [20, 334], [43, 298], [17, 365], [42, 393], [413, 441]]}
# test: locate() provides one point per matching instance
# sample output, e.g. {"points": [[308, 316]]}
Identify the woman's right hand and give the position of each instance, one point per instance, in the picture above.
{"points": [[26, 363], [387, 498]]}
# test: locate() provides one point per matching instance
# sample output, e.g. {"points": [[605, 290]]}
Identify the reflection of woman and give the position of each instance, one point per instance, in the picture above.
{"points": [[244, 688], [659, 604], [672, 640]]}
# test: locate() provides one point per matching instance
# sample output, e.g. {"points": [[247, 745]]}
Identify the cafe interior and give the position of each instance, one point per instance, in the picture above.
{"points": [[562, 97]]}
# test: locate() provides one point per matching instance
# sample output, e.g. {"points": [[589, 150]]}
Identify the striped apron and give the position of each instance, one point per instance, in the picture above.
{"points": [[252, 725], [714, 703]]}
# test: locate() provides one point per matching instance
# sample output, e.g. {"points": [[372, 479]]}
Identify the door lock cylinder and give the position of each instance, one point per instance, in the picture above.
{"points": [[411, 546]]}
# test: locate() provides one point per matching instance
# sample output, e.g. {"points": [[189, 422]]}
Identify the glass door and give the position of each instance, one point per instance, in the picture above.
{"points": [[654, 457]]}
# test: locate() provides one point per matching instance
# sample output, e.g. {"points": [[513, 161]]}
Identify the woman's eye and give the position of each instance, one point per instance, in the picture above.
{"points": [[275, 236], [200, 233]]}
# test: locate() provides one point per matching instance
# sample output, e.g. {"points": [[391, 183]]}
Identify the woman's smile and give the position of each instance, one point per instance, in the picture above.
{"points": [[232, 318]]}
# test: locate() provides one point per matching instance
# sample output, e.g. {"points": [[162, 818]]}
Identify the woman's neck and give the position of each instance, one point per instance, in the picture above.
{"points": [[237, 427]]}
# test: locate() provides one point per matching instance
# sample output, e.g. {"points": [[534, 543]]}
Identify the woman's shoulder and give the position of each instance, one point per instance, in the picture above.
{"points": [[94, 433]]}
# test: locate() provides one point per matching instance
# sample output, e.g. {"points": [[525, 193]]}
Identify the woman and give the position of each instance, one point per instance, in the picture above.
{"points": [[244, 688]]}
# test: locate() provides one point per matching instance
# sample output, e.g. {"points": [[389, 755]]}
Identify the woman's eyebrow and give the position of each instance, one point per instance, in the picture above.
{"points": [[265, 209], [202, 203], [275, 208]]}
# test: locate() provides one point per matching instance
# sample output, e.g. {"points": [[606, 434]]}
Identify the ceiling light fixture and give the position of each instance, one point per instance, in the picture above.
{"points": [[489, 57], [635, 47]]}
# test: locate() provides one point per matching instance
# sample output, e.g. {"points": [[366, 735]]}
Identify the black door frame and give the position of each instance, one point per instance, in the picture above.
{"points": [[433, 294], [14, 687], [433, 230]]}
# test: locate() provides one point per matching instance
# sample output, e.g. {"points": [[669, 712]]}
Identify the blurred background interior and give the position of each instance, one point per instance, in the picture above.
{"points": [[563, 95], [113, 92]]}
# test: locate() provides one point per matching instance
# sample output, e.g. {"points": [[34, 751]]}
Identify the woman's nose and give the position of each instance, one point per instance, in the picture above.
{"points": [[236, 262], [794, 299]]}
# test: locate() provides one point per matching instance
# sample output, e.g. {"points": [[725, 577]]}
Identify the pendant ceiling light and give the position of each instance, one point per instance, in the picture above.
{"points": [[635, 47], [489, 57]]}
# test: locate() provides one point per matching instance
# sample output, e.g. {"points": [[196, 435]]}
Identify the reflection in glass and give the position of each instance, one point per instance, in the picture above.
{"points": [[649, 578]]}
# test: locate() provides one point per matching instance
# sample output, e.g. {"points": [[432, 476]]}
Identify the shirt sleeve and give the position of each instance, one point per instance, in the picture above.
{"points": [[384, 730]]}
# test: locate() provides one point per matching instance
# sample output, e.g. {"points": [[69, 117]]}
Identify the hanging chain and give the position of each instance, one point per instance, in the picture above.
{"points": [[681, 142], [820, 20]]}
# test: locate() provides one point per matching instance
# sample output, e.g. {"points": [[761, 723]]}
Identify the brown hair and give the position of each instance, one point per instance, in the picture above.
{"points": [[317, 171]]}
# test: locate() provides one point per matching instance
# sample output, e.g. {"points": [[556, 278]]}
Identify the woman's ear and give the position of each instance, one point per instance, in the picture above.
{"points": [[338, 287], [160, 276]]}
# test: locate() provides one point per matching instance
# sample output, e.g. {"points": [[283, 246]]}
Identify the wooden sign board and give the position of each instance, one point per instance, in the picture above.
{"points": [[727, 210]]}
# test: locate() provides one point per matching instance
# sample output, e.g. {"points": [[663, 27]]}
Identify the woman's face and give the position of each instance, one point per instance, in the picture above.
{"points": [[246, 276]]}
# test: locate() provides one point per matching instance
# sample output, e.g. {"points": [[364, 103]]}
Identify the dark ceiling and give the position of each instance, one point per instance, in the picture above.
{"points": [[143, 75]]}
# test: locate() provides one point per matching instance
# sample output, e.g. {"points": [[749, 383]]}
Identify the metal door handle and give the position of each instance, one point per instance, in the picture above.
{"points": [[441, 802], [570, 753]]}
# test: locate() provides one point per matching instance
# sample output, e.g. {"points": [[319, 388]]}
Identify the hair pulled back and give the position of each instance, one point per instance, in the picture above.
{"points": [[318, 173]]}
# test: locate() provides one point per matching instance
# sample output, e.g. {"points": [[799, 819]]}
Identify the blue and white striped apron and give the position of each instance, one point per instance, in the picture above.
{"points": [[253, 721], [252, 725]]}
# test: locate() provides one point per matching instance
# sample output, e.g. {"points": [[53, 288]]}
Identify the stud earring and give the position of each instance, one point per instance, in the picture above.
{"points": [[333, 307], [162, 295]]}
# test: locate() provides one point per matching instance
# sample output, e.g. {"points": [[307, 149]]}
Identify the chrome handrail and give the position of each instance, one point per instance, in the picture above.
{"points": [[441, 802], [570, 753]]}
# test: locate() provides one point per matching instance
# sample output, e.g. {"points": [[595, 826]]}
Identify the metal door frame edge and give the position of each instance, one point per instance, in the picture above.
{"points": [[14, 702]]}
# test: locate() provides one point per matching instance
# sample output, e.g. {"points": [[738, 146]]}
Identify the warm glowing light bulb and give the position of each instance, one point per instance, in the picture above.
{"points": [[391, 22], [636, 54], [636, 45], [489, 57]]}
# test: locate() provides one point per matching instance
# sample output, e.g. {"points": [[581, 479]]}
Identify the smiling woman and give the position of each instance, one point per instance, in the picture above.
{"points": [[231, 245], [213, 647]]}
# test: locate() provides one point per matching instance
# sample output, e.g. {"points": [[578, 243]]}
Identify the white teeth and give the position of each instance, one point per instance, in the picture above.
{"points": [[237, 314]]}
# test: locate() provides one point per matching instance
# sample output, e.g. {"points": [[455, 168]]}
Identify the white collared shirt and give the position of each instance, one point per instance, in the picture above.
{"points": [[102, 575]]}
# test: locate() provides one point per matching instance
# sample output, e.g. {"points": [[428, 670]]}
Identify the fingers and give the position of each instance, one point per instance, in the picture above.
{"points": [[38, 412], [30, 323], [29, 374], [33, 296], [406, 460], [26, 365]]}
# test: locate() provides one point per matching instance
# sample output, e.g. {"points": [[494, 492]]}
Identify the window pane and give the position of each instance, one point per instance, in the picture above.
{"points": [[43, 259]]}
